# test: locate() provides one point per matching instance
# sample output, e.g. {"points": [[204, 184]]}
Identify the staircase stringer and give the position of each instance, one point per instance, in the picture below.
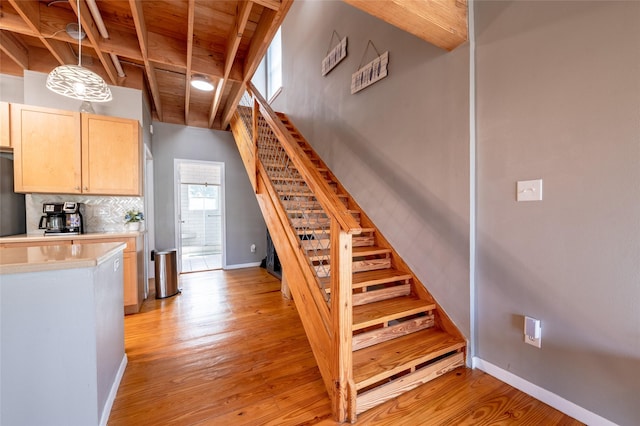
{"points": [[328, 326], [315, 318]]}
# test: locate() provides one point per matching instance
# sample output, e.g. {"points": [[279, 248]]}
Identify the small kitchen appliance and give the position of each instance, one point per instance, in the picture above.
{"points": [[62, 218]]}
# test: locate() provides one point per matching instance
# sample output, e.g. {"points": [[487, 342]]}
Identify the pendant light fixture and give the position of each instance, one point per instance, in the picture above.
{"points": [[77, 82]]}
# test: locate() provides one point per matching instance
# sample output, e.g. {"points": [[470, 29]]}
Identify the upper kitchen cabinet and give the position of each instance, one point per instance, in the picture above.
{"points": [[5, 137], [111, 155], [46, 150], [65, 152]]}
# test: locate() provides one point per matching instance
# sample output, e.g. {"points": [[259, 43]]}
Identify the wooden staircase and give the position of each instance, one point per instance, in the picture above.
{"points": [[396, 337]]}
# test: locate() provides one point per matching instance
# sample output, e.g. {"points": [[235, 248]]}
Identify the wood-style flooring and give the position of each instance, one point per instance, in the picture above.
{"points": [[230, 350]]}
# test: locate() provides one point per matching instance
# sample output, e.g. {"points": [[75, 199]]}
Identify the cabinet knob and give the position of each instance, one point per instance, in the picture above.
{"points": [[77, 188], [86, 188]]}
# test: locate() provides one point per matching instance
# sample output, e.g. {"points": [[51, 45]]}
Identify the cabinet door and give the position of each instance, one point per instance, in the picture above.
{"points": [[130, 288], [5, 139], [110, 155], [46, 150]]}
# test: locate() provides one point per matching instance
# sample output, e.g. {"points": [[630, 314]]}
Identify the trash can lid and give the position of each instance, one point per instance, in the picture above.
{"points": [[167, 251]]}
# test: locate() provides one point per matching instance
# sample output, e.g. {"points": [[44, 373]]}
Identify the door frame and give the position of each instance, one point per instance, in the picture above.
{"points": [[178, 202]]}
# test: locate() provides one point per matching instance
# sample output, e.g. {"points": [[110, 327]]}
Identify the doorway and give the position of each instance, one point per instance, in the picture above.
{"points": [[200, 205]]}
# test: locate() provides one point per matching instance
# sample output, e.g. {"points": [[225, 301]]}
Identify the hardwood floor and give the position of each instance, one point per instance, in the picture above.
{"points": [[230, 350]]}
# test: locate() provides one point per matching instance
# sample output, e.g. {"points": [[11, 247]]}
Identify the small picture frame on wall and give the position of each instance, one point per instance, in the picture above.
{"points": [[335, 55]]}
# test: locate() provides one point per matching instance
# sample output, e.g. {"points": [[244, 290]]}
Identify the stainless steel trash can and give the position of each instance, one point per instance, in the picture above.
{"points": [[166, 273]]}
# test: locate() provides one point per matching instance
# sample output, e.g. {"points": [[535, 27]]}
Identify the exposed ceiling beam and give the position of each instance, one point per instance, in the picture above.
{"points": [[10, 45], [141, 30], [163, 50], [89, 27], [233, 42], [187, 85], [442, 23], [30, 13], [269, 4], [269, 23]]}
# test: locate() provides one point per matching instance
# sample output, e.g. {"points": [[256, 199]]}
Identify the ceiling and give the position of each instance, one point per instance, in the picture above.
{"points": [[161, 44]]}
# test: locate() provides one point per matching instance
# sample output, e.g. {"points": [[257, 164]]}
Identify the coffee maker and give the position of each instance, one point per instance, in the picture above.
{"points": [[62, 218]]}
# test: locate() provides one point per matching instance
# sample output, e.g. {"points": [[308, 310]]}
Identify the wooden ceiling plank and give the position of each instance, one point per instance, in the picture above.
{"points": [[269, 23], [13, 48], [141, 30], [233, 42], [14, 23], [442, 23], [90, 28], [187, 91]]}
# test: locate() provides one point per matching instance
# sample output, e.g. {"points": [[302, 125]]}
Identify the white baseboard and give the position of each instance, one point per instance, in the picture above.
{"points": [[242, 265], [550, 398], [112, 393]]}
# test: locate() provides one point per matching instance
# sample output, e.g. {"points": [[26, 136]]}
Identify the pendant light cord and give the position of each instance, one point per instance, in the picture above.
{"points": [[79, 36]]}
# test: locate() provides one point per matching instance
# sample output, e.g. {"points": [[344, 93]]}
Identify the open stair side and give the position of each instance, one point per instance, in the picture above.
{"points": [[375, 330]]}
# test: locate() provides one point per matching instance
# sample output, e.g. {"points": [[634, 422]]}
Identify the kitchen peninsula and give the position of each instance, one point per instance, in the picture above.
{"points": [[61, 333], [134, 274]]}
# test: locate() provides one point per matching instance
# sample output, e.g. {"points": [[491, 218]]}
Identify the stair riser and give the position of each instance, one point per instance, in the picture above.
{"points": [[381, 394], [370, 338], [325, 243], [384, 294], [357, 266]]}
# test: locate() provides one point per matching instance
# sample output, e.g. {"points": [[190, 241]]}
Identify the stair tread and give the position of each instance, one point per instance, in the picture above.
{"points": [[387, 310], [375, 363]]}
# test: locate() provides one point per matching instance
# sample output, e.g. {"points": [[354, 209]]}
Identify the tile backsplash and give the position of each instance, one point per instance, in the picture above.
{"points": [[101, 213]]}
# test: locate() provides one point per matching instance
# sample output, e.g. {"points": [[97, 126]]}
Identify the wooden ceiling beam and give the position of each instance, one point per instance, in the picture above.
{"points": [[442, 23], [29, 11], [187, 84], [269, 23], [90, 28], [13, 48], [269, 4], [143, 37], [233, 42]]}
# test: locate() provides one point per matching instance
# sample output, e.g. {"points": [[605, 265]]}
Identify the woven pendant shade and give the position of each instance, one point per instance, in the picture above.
{"points": [[75, 81]]}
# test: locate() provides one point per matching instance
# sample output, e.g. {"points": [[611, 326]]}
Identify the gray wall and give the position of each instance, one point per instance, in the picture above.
{"points": [[244, 223], [11, 89], [126, 103], [558, 87], [400, 146]]}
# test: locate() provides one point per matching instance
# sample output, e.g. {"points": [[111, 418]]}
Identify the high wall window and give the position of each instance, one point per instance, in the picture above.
{"points": [[268, 76], [274, 66]]}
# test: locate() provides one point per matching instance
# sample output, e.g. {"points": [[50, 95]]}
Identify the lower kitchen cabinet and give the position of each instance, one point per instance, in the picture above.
{"points": [[133, 260]]}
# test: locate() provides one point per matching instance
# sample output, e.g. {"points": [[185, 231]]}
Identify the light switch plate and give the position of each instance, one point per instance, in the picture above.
{"points": [[529, 190]]}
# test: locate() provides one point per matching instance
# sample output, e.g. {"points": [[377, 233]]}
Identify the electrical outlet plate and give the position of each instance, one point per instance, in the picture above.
{"points": [[532, 331]]}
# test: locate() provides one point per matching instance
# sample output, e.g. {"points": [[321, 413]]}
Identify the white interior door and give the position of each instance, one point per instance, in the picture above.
{"points": [[201, 219]]}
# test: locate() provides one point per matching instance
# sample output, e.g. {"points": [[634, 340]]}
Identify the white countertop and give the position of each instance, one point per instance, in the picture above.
{"points": [[55, 257], [22, 238]]}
